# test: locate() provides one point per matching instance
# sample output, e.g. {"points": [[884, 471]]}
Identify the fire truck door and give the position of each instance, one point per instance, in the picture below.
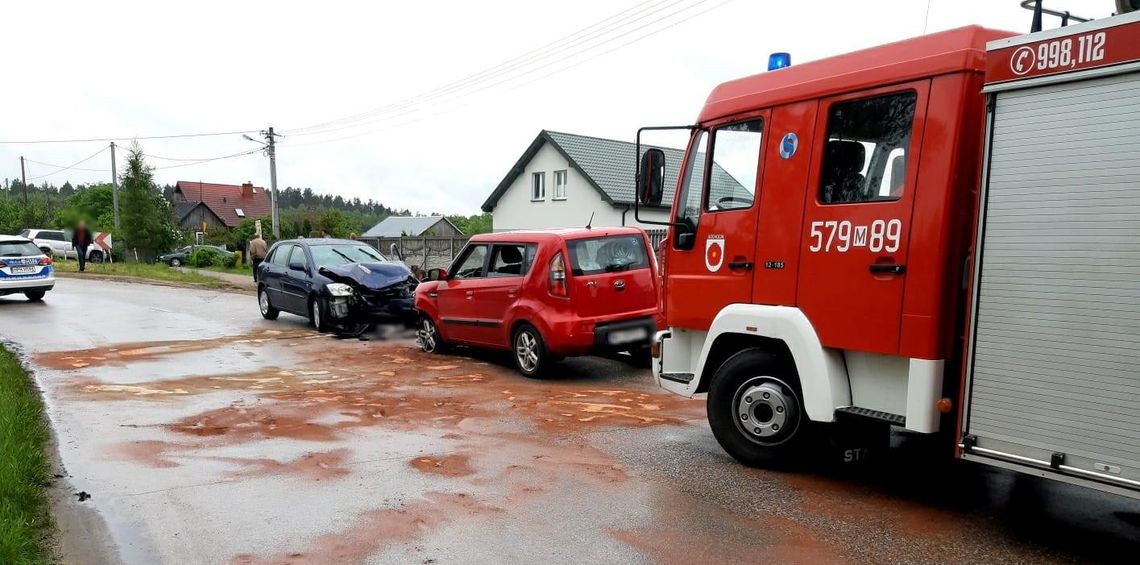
{"points": [[713, 262], [857, 216]]}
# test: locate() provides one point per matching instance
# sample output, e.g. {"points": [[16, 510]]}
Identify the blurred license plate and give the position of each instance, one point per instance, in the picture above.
{"points": [[627, 336], [24, 270]]}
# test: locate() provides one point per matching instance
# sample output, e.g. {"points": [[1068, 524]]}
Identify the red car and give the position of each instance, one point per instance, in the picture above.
{"points": [[545, 295]]}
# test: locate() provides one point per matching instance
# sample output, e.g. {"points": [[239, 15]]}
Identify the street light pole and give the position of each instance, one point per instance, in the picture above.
{"points": [[271, 148]]}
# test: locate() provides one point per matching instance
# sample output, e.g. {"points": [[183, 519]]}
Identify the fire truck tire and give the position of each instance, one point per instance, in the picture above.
{"points": [[756, 411]]}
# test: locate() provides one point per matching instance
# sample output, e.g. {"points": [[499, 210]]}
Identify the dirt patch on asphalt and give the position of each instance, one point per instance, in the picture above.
{"points": [[377, 529], [123, 353], [456, 465], [320, 466]]}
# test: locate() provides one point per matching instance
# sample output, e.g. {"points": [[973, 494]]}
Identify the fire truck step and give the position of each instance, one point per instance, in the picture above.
{"points": [[684, 378], [893, 419]]}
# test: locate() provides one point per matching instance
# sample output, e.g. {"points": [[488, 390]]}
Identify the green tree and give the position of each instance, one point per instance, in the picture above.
{"points": [[11, 217], [146, 221], [472, 225]]}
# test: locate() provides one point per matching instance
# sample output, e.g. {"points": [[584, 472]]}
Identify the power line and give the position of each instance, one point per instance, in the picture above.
{"points": [[556, 71], [569, 46], [62, 167], [71, 166], [511, 62], [241, 154], [125, 138]]}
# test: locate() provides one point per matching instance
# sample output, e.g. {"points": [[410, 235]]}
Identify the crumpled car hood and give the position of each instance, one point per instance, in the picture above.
{"points": [[374, 276]]}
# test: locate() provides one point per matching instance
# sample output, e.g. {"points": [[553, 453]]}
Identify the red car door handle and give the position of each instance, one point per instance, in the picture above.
{"points": [[740, 265]]}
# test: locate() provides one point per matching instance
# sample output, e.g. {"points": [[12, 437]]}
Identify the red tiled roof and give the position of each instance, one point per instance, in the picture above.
{"points": [[226, 199]]}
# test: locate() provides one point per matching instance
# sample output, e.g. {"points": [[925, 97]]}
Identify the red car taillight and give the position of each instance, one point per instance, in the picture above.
{"points": [[45, 261], [558, 285]]}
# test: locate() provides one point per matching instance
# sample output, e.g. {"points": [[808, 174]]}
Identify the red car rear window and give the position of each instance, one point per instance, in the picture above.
{"points": [[607, 254]]}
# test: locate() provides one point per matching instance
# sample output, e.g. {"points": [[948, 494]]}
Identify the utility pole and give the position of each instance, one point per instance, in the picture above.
{"points": [[24, 179], [271, 148], [114, 186]]}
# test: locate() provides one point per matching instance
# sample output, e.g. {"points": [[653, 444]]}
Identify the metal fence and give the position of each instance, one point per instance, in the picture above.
{"points": [[431, 252], [656, 236], [422, 252]]}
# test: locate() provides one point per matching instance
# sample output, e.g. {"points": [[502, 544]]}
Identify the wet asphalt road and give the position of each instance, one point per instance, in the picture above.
{"points": [[207, 435]]}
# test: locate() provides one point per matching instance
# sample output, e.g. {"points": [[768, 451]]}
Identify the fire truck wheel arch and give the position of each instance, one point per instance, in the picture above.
{"points": [[822, 375]]}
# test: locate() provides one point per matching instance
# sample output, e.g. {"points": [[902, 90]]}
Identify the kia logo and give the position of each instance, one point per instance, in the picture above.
{"points": [[1022, 60], [619, 285]]}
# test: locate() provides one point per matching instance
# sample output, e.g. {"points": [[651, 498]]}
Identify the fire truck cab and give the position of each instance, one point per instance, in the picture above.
{"points": [[815, 264], [938, 234]]}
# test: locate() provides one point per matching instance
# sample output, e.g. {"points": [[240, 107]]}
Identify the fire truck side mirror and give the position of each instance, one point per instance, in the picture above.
{"points": [[651, 178]]}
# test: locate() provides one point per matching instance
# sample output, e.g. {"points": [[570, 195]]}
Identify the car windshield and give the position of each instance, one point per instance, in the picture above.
{"points": [[607, 254], [18, 249], [25, 233], [339, 254]]}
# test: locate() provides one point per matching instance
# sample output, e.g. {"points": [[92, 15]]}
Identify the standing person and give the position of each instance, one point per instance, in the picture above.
{"points": [[80, 239], [258, 249]]}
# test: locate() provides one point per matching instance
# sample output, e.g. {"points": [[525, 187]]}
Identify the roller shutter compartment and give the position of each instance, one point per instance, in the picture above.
{"points": [[1055, 372]]}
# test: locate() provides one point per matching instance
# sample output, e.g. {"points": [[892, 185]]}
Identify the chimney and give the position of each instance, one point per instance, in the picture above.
{"points": [[247, 190]]}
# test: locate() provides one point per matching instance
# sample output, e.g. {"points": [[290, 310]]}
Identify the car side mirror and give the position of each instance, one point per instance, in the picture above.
{"points": [[297, 266], [651, 178], [436, 274]]}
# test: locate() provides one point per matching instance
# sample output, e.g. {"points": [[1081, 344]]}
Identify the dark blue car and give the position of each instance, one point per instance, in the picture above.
{"points": [[340, 285]]}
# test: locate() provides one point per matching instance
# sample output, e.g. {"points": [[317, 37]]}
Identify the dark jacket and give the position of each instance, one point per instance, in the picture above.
{"points": [[76, 240]]}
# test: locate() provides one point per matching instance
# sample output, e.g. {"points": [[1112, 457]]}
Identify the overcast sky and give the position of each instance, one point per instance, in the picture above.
{"points": [[84, 69]]}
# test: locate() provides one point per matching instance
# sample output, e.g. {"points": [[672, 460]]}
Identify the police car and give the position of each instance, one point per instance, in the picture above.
{"points": [[24, 268]]}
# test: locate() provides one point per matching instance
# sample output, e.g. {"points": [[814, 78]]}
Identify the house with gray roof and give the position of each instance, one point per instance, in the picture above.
{"points": [[413, 226], [562, 178]]}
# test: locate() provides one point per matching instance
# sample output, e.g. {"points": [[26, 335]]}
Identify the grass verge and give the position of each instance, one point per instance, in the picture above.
{"points": [[243, 270], [145, 271], [25, 470]]}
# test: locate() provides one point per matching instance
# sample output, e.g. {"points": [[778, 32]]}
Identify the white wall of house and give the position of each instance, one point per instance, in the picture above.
{"points": [[517, 210]]}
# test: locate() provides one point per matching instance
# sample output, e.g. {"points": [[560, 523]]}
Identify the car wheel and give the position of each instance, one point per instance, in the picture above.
{"points": [[428, 336], [756, 410], [47, 251], [35, 295], [318, 314], [176, 262], [529, 351], [96, 257], [267, 310]]}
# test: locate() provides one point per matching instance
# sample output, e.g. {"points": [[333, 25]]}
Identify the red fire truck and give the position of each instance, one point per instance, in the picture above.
{"points": [[940, 234]]}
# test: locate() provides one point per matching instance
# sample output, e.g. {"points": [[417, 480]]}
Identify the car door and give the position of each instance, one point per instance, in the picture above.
{"points": [[714, 258], [458, 313], [495, 295], [857, 217], [296, 284], [274, 277]]}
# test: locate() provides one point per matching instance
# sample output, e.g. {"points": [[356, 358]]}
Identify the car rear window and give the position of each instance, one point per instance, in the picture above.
{"points": [[18, 249], [607, 254]]}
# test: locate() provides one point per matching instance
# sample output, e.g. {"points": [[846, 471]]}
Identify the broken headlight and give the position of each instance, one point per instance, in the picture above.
{"points": [[339, 289]]}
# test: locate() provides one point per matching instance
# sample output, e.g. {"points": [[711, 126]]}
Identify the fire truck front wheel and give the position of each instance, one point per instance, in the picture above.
{"points": [[756, 411]]}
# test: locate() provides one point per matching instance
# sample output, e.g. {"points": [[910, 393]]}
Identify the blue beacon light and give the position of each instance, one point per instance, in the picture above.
{"points": [[779, 61]]}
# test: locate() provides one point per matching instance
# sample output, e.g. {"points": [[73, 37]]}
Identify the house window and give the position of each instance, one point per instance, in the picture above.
{"points": [[240, 212], [560, 185], [538, 186]]}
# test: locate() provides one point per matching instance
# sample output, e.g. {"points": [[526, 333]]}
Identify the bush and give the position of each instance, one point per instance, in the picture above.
{"points": [[205, 257], [229, 261]]}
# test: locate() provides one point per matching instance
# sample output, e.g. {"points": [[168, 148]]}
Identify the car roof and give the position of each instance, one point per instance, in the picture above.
{"points": [[554, 234], [7, 238], [322, 241]]}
